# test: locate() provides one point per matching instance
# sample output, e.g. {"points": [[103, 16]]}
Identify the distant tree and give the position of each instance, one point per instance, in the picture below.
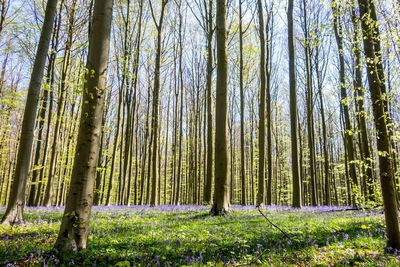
{"points": [[16, 200], [221, 203], [74, 227]]}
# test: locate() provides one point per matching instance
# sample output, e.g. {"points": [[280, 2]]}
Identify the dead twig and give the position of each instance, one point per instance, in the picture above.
{"points": [[274, 225]]}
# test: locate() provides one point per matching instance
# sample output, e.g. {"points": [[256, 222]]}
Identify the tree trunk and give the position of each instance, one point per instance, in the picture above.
{"points": [[268, 71], [60, 106], [179, 171], [42, 115], [242, 145], [365, 150], [344, 101], [310, 109], [74, 227], [376, 81], [293, 111], [327, 199], [221, 203], [261, 110], [155, 113], [16, 201], [210, 33]]}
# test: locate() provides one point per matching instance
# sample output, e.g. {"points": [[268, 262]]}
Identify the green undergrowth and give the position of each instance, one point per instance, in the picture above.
{"points": [[188, 236]]}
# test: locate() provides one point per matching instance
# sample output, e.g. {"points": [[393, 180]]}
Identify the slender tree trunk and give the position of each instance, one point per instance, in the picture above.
{"points": [[344, 101], [310, 108], [327, 199], [60, 107], [16, 200], [210, 33], [100, 167], [42, 115], [365, 150], [261, 110], [293, 112], [242, 141], [269, 47], [179, 171], [144, 149], [156, 99]]}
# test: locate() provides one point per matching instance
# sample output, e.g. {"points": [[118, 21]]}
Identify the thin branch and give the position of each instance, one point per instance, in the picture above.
{"points": [[274, 225]]}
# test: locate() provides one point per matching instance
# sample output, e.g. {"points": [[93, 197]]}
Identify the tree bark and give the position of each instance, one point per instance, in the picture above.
{"points": [[221, 203], [74, 227]]}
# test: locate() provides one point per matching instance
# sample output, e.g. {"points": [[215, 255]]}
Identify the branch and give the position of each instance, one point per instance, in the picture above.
{"points": [[283, 232], [152, 14]]}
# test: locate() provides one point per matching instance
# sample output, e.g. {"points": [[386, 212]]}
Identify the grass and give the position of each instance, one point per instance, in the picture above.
{"points": [[186, 235]]}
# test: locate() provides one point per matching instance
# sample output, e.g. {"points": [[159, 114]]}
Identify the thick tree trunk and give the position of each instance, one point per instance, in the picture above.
{"points": [[376, 81], [221, 203], [74, 227], [16, 201]]}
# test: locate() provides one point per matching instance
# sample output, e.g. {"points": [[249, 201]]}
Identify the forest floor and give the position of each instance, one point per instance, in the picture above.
{"points": [[187, 235]]}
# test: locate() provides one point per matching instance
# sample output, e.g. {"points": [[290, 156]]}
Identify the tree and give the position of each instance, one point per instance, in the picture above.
{"points": [[337, 26], [364, 146], [261, 110], [210, 59], [310, 106], [74, 229], [156, 100], [293, 111], [242, 141], [16, 200], [60, 105], [221, 203], [377, 88]]}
